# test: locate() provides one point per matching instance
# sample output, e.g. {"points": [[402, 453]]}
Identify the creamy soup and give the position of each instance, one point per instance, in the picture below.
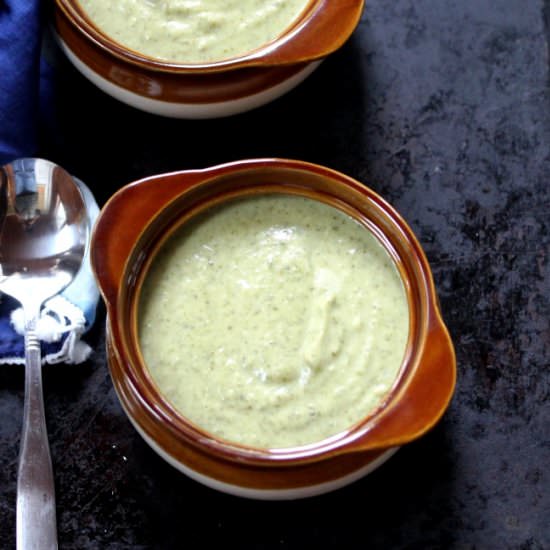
{"points": [[193, 31], [274, 321]]}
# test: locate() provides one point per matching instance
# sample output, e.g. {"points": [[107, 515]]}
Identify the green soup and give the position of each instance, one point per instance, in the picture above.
{"points": [[193, 31], [274, 321]]}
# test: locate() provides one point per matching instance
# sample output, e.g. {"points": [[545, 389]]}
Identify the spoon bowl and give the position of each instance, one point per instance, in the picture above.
{"points": [[43, 238]]}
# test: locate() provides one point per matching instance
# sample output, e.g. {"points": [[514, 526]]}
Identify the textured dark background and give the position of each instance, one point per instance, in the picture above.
{"points": [[443, 108]]}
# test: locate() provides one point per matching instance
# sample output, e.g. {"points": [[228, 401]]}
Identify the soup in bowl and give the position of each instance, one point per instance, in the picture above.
{"points": [[191, 31], [273, 321], [273, 329]]}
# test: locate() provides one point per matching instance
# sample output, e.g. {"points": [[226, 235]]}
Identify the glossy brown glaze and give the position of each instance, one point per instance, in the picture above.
{"points": [[323, 27], [123, 249]]}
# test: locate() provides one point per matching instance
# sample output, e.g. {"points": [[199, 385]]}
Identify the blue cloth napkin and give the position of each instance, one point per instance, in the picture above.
{"points": [[25, 87], [20, 40]]}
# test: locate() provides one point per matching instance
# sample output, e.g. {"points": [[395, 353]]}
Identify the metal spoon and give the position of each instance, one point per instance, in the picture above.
{"points": [[43, 238]]}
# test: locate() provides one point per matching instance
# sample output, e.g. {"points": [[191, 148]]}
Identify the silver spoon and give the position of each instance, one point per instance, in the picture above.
{"points": [[43, 238]]}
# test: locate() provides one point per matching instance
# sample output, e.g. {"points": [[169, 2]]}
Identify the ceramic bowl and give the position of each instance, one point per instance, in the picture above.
{"points": [[211, 89], [129, 230]]}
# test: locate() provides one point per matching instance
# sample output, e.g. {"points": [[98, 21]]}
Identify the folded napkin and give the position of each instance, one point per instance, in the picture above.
{"points": [[25, 87]]}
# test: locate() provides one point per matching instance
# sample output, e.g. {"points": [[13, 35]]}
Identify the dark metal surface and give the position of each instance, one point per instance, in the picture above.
{"points": [[443, 108]]}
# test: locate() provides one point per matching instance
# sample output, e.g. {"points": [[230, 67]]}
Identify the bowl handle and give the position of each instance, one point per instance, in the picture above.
{"points": [[419, 405], [121, 222], [331, 24]]}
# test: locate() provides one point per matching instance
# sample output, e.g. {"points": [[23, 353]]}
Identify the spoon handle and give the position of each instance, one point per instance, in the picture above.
{"points": [[36, 523]]}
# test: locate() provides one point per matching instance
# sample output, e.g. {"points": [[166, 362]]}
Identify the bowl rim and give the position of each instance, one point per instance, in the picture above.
{"points": [[321, 28], [377, 430]]}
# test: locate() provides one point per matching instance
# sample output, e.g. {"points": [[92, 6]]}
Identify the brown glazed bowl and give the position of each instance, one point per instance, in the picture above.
{"points": [[210, 89], [131, 228]]}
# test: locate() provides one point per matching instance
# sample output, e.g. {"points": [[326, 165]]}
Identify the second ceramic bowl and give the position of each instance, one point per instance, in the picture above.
{"points": [[205, 90]]}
